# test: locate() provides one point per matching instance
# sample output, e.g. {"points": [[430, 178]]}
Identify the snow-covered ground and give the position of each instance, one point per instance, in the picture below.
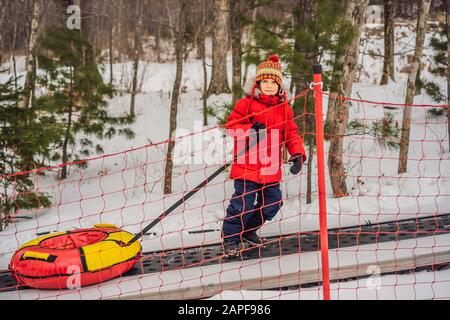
{"points": [[125, 188], [418, 286]]}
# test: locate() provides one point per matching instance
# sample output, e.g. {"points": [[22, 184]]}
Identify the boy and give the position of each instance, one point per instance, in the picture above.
{"points": [[257, 173]]}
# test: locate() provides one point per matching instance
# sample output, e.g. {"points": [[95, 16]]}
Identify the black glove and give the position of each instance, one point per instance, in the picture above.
{"points": [[258, 126], [297, 160]]}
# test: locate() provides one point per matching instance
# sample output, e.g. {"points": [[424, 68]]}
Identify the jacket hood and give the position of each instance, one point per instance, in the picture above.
{"points": [[248, 86]]}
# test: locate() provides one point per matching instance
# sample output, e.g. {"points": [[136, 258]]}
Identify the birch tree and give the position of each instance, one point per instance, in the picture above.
{"points": [[448, 70], [179, 50], [411, 85], [250, 40], [2, 20], [136, 53], [112, 29], [344, 76], [13, 53], [170, 19], [219, 78], [30, 79], [120, 42], [201, 45], [388, 65], [236, 36]]}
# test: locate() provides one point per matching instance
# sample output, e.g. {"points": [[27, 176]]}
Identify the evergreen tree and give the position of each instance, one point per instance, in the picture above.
{"points": [[303, 38], [315, 31], [439, 68], [75, 94], [18, 140]]}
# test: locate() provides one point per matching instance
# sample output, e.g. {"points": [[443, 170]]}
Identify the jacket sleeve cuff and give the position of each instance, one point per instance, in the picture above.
{"points": [[298, 150]]}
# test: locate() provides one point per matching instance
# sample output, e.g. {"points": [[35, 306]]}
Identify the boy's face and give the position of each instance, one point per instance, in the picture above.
{"points": [[269, 87]]}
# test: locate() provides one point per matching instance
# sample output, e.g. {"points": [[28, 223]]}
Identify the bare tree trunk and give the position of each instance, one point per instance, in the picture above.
{"points": [[179, 48], [236, 37], [78, 4], [90, 24], [120, 30], [356, 11], [65, 155], [2, 20], [388, 66], [448, 70], [298, 80], [250, 41], [97, 18], [137, 50], [309, 176], [158, 43], [13, 53], [4, 212], [411, 85], [113, 22], [111, 51], [31, 55], [92, 14], [219, 79], [169, 17], [201, 44], [337, 76]]}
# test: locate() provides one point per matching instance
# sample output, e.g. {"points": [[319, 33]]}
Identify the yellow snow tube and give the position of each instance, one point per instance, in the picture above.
{"points": [[100, 253]]}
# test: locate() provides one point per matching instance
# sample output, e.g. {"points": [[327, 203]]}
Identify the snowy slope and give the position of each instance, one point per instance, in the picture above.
{"points": [[419, 286]]}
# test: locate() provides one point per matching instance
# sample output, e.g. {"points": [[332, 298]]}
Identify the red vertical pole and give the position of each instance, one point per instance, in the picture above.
{"points": [[321, 180]]}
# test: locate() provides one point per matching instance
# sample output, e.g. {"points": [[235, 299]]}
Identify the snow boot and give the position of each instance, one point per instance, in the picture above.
{"points": [[252, 239], [232, 249]]}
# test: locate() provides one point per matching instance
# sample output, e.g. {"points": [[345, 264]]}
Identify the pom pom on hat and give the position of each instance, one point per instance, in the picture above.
{"points": [[274, 58]]}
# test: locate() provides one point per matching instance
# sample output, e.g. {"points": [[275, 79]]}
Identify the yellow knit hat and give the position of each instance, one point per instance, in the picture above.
{"points": [[270, 69]]}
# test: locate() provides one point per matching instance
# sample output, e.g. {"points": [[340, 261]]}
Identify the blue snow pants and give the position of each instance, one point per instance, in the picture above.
{"points": [[242, 213]]}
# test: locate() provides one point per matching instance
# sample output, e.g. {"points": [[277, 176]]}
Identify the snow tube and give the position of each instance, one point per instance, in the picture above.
{"points": [[73, 259]]}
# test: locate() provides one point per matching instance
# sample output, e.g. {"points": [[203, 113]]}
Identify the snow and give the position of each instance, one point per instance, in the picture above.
{"points": [[125, 188], [419, 286]]}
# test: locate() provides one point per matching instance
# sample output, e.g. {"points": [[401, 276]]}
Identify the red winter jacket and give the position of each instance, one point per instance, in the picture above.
{"points": [[262, 163]]}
